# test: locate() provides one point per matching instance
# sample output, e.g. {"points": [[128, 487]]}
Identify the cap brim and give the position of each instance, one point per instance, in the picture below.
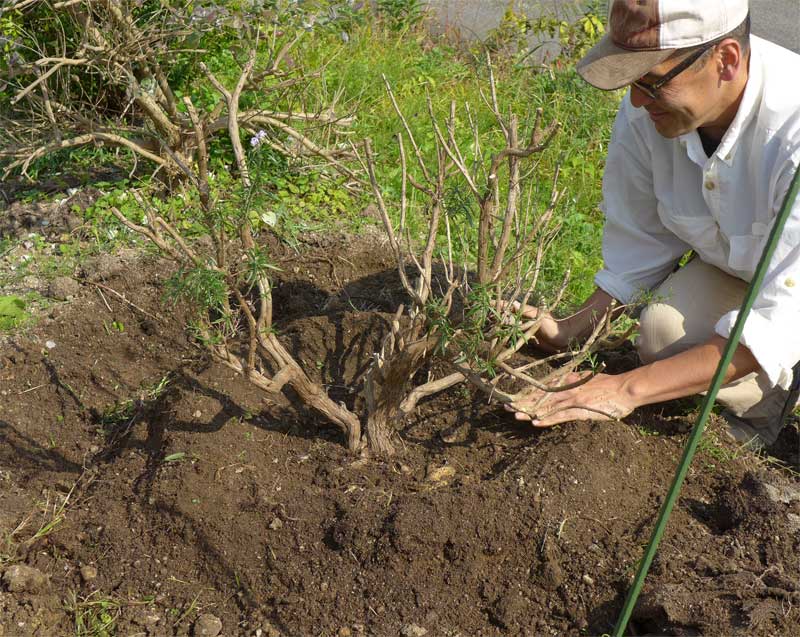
{"points": [[607, 66]]}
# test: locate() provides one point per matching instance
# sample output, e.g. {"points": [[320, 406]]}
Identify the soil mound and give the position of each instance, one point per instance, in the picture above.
{"points": [[191, 500]]}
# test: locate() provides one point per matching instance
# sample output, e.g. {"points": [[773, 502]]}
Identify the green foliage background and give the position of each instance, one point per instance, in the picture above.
{"points": [[344, 53]]}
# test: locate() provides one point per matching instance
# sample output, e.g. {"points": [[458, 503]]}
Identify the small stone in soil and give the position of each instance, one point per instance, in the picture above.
{"points": [[150, 619], [207, 625], [88, 573], [20, 578], [412, 630], [268, 630], [785, 495], [276, 524], [440, 474]]}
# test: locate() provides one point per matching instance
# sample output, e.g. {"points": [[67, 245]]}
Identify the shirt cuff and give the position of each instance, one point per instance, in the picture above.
{"points": [[762, 337], [615, 286]]}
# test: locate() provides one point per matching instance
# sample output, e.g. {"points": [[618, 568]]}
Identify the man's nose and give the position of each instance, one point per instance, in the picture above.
{"points": [[639, 98]]}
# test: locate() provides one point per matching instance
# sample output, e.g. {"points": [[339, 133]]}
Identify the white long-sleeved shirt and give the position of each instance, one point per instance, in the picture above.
{"points": [[662, 197]]}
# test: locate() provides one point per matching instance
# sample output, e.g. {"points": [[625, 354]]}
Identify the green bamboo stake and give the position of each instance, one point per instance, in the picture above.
{"points": [[708, 403]]}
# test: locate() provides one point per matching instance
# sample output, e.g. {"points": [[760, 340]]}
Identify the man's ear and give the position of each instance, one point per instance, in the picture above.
{"points": [[729, 59]]}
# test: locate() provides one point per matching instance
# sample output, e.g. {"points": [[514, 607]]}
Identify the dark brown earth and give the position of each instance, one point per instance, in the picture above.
{"points": [[479, 526]]}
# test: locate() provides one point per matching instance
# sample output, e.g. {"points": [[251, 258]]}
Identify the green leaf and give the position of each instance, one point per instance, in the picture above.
{"points": [[12, 311], [174, 457]]}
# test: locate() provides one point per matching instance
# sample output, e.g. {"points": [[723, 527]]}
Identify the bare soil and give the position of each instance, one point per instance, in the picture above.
{"points": [[204, 497]]}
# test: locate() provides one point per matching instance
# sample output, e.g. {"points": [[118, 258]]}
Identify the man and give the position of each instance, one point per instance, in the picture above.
{"points": [[704, 147]]}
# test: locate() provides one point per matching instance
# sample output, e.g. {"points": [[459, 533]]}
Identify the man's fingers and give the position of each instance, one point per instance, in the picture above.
{"points": [[568, 415], [520, 412]]}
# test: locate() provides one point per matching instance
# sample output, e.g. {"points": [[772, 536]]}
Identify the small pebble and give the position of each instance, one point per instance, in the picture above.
{"points": [[207, 625], [440, 474], [276, 524], [50, 344], [150, 619], [412, 630], [587, 580], [88, 573]]}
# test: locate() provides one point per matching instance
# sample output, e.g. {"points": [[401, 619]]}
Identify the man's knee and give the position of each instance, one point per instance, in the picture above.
{"points": [[661, 332]]}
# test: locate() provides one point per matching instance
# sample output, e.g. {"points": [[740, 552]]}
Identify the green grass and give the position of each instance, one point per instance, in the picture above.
{"points": [[121, 413], [415, 65], [94, 614], [714, 454]]}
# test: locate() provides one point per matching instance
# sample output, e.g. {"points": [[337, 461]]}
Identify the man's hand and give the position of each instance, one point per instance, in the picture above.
{"points": [[603, 397], [552, 336], [556, 335]]}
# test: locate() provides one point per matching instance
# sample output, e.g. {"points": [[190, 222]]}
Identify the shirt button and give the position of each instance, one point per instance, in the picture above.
{"points": [[710, 185]]}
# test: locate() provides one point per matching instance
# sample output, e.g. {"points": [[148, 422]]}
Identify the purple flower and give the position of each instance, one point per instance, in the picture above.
{"points": [[259, 138]]}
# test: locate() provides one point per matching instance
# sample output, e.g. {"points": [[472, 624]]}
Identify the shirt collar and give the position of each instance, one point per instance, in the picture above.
{"points": [[747, 109]]}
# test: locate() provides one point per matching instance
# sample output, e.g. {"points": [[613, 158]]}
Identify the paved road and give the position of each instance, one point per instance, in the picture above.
{"points": [[776, 20]]}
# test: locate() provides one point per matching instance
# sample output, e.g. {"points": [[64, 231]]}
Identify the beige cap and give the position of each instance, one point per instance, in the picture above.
{"points": [[643, 33]]}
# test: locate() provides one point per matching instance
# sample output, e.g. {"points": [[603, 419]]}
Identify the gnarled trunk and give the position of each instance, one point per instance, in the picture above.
{"points": [[386, 388]]}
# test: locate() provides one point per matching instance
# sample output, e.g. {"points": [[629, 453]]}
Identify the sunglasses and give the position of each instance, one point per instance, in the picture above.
{"points": [[651, 89]]}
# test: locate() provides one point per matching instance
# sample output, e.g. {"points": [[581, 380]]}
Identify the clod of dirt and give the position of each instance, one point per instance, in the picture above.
{"points": [[666, 610], [88, 573], [20, 578], [63, 288], [552, 576], [412, 630], [207, 625], [106, 266], [440, 474], [458, 433], [509, 609], [48, 218]]}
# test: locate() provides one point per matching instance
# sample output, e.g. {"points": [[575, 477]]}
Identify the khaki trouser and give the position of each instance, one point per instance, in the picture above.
{"points": [[684, 311]]}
